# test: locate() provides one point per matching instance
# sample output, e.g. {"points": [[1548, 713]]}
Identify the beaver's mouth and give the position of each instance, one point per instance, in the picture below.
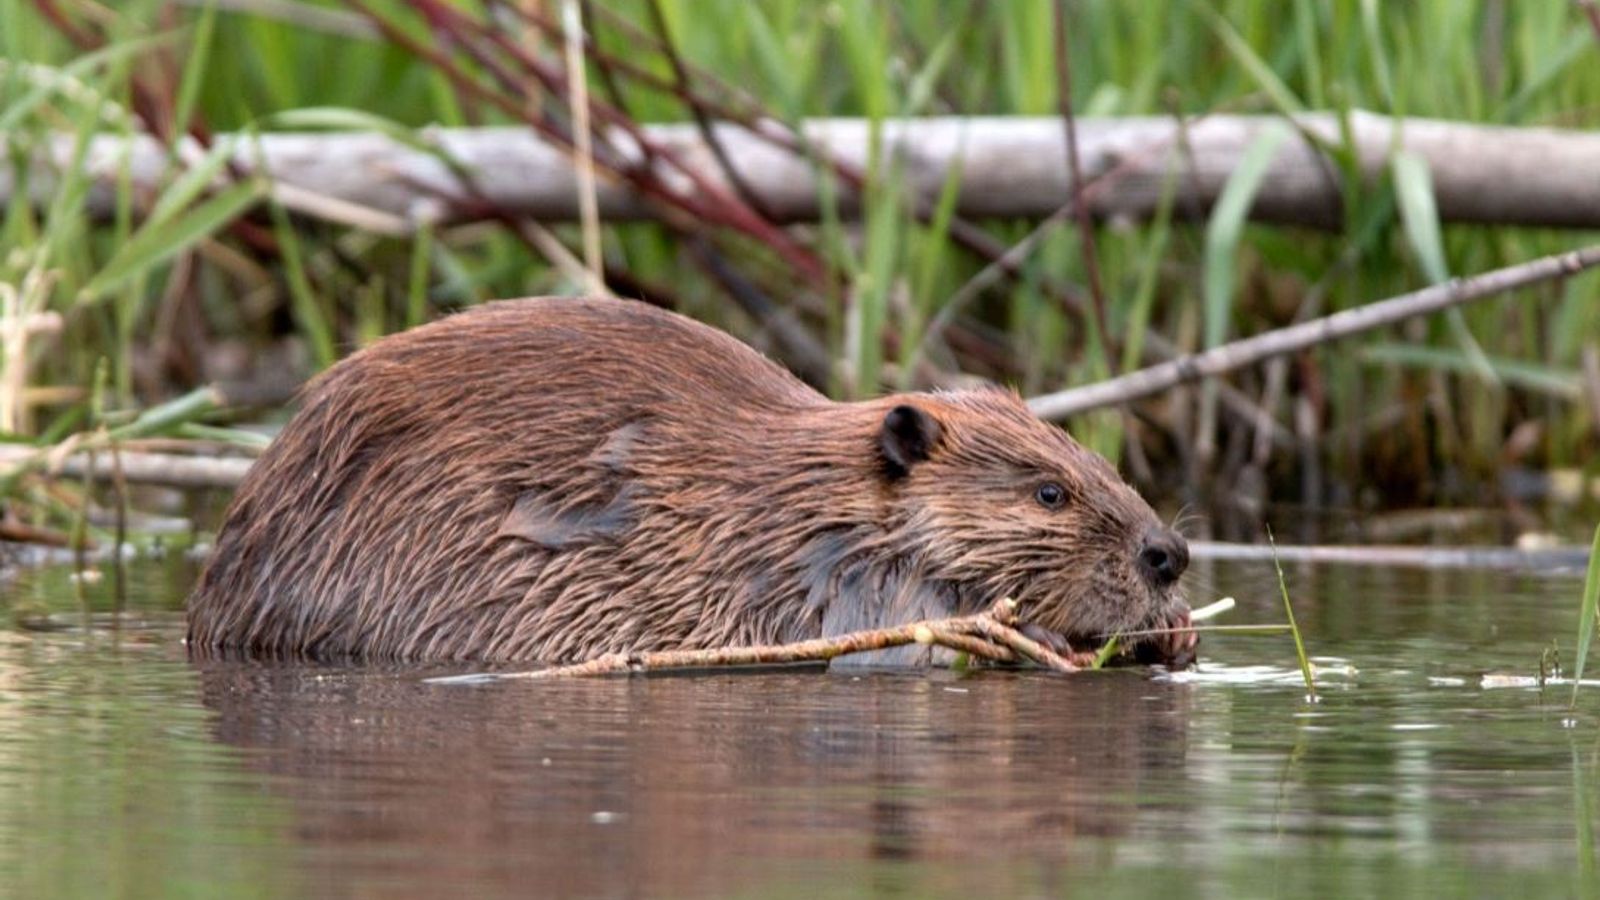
{"points": [[1175, 648]]}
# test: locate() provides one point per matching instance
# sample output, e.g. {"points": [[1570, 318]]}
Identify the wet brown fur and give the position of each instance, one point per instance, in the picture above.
{"points": [[551, 479]]}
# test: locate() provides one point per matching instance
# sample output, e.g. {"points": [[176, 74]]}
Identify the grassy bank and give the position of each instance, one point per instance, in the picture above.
{"points": [[207, 285]]}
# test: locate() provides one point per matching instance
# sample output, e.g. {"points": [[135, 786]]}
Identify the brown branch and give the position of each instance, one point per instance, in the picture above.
{"points": [[702, 119], [1091, 265], [1283, 341], [990, 635], [995, 629]]}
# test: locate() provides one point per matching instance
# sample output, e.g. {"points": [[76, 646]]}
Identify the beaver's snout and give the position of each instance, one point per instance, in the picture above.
{"points": [[1163, 556]]}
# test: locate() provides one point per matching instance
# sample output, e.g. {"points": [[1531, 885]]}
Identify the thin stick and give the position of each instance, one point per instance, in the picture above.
{"points": [[1283, 341]]}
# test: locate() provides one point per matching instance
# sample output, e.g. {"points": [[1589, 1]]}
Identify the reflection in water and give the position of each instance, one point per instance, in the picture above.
{"points": [[703, 784], [127, 769]]}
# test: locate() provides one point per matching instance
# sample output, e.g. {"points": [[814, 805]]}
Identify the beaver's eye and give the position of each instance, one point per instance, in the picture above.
{"points": [[1050, 495]]}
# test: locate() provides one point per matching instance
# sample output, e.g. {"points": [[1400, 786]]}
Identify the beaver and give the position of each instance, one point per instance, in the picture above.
{"points": [[550, 479]]}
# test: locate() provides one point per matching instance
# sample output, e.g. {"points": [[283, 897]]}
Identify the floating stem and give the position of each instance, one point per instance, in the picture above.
{"points": [[1288, 611]]}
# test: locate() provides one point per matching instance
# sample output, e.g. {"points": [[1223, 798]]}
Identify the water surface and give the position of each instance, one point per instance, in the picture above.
{"points": [[125, 769]]}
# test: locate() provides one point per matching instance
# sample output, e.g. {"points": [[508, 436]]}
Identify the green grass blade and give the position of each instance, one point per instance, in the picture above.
{"points": [[1587, 615], [1578, 45], [1294, 629], [418, 278], [1227, 224], [337, 118], [787, 66], [1532, 376], [164, 417], [1107, 652], [920, 91], [1305, 20], [1375, 53], [1140, 308], [885, 234], [1267, 80], [1583, 817], [195, 68], [1419, 213], [1413, 186], [191, 184], [238, 437], [76, 70], [308, 312], [863, 34], [157, 242]]}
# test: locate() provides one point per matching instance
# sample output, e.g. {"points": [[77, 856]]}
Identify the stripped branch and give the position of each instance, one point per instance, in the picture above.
{"points": [[991, 635], [1284, 341]]}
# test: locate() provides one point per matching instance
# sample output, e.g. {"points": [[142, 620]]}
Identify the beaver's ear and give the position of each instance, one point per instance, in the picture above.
{"points": [[908, 437]]}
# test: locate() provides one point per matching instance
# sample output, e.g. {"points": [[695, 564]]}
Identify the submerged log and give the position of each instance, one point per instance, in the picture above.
{"points": [[1009, 167]]}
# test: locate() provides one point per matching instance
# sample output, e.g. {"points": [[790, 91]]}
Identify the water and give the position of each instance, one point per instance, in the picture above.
{"points": [[126, 770]]}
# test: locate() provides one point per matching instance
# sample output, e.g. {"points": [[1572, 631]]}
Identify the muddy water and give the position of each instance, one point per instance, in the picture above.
{"points": [[127, 770]]}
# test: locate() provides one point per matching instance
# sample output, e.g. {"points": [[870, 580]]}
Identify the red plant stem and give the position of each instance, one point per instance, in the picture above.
{"points": [[725, 208], [1091, 264]]}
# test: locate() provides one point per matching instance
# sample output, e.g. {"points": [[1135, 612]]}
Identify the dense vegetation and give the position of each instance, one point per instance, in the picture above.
{"points": [[214, 282]]}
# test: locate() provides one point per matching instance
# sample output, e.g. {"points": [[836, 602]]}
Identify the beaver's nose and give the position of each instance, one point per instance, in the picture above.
{"points": [[1163, 556]]}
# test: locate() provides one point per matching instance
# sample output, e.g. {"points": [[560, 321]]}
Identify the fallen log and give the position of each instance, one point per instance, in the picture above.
{"points": [[1010, 167]]}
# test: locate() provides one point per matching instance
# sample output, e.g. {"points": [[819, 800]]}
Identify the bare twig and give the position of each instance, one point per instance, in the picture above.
{"points": [[1241, 353]]}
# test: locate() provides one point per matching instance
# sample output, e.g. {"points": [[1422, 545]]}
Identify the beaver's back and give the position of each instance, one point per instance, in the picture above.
{"points": [[369, 525]]}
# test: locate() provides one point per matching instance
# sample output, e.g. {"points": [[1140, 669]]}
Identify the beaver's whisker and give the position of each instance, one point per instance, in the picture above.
{"points": [[1187, 515]]}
